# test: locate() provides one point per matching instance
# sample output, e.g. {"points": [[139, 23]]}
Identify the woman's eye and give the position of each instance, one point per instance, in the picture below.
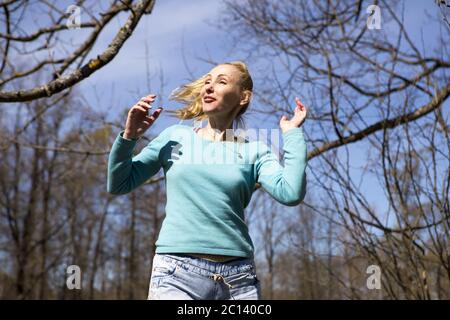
{"points": [[223, 82]]}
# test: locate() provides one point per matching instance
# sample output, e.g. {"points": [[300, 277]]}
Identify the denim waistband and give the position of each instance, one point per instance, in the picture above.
{"points": [[206, 267]]}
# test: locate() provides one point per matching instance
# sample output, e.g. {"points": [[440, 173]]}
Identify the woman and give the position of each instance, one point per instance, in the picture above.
{"points": [[204, 250]]}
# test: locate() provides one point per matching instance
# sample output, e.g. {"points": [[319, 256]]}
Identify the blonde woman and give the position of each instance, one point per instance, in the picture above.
{"points": [[204, 250]]}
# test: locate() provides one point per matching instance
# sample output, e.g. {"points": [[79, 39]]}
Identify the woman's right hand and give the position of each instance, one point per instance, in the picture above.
{"points": [[138, 120]]}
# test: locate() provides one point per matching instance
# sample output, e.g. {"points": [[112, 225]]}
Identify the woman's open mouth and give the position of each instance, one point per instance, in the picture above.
{"points": [[208, 99]]}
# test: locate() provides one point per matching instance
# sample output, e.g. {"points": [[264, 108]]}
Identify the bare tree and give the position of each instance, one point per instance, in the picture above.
{"points": [[45, 44], [378, 89]]}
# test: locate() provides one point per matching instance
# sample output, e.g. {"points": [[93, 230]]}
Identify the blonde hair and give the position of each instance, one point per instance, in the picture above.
{"points": [[190, 95]]}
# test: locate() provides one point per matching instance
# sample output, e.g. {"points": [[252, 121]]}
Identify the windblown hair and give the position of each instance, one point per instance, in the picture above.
{"points": [[189, 94]]}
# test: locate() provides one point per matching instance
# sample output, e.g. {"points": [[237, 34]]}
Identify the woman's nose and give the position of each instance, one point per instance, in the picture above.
{"points": [[209, 88]]}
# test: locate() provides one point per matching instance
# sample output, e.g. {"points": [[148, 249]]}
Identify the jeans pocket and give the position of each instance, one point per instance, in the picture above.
{"points": [[161, 270]]}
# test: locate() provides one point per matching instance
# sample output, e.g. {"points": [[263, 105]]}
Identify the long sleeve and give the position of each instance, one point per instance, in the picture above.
{"points": [[126, 172], [285, 184]]}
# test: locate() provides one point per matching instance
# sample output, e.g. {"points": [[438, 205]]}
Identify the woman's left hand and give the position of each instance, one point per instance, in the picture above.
{"points": [[298, 118]]}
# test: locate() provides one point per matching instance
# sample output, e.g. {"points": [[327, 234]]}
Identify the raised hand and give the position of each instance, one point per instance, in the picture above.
{"points": [[138, 120], [298, 118]]}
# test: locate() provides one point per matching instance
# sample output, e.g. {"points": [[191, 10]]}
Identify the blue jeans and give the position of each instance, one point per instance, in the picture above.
{"points": [[183, 277]]}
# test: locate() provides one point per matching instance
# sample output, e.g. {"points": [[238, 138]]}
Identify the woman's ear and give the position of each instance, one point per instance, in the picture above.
{"points": [[245, 97]]}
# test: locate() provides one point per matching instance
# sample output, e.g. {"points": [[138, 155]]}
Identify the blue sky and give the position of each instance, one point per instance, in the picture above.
{"points": [[173, 29], [177, 28]]}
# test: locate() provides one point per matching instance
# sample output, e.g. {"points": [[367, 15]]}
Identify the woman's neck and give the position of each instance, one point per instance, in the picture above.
{"points": [[219, 130]]}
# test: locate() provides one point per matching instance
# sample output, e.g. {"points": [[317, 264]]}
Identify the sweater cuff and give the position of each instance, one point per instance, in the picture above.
{"points": [[293, 131], [121, 139]]}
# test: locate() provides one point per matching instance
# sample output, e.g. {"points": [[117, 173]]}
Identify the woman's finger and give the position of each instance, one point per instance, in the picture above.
{"points": [[145, 105], [155, 114], [140, 108], [300, 112], [299, 103], [148, 100], [149, 96]]}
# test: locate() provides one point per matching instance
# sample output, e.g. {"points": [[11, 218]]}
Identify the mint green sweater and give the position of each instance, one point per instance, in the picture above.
{"points": [[209, 184]]}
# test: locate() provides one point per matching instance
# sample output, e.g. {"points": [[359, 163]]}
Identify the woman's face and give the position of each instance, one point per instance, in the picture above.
{"points": [[221, 92]]}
